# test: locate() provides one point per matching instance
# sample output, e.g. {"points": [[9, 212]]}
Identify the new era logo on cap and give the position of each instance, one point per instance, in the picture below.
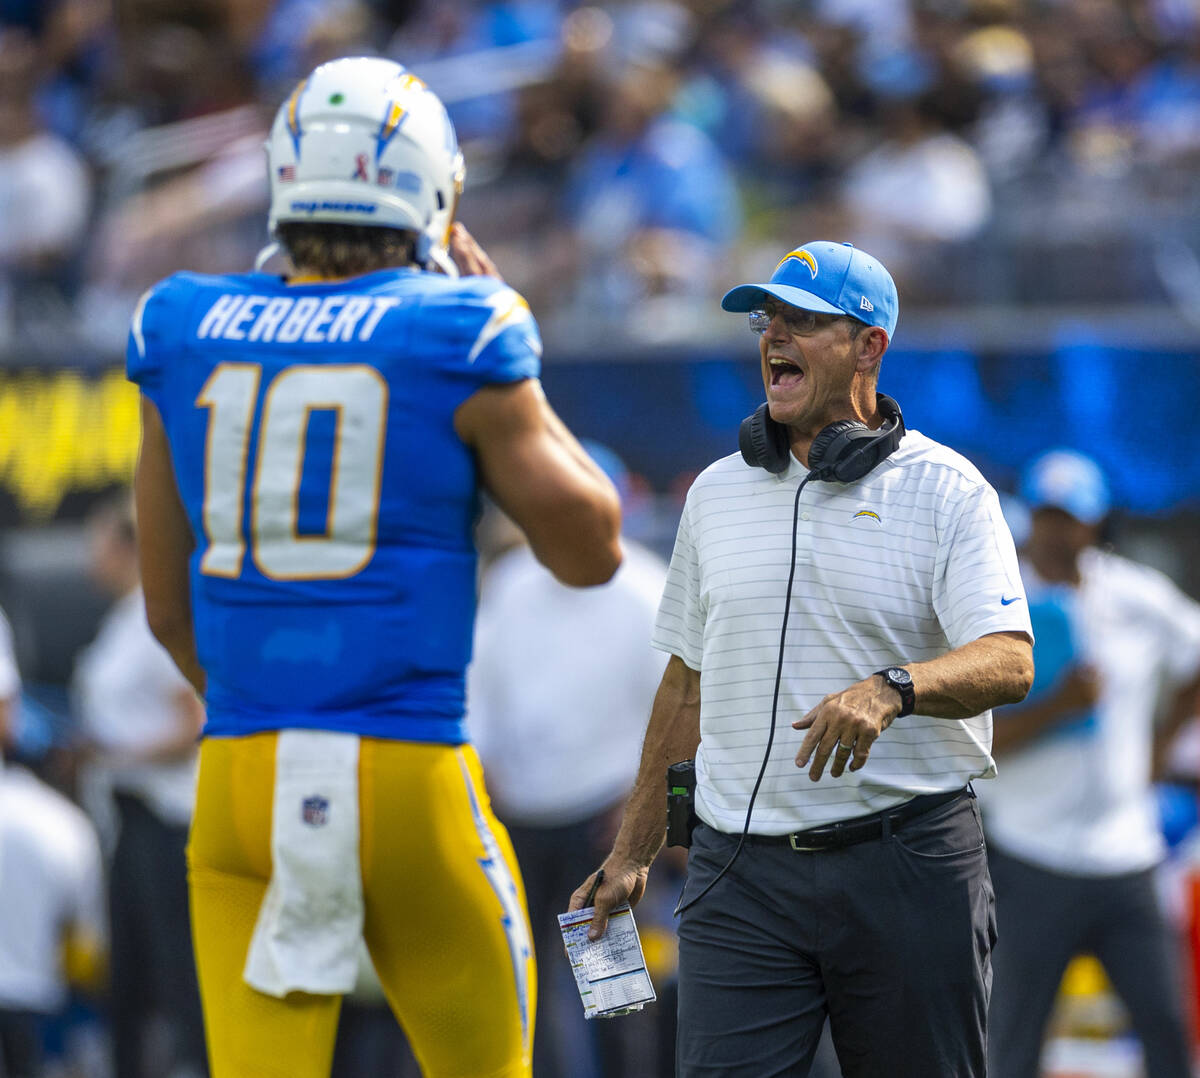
{"points": [[832, 278]]}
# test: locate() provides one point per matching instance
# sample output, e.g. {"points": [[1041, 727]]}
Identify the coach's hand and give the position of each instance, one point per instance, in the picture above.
{"points": [[845, 725], [623, 882]]}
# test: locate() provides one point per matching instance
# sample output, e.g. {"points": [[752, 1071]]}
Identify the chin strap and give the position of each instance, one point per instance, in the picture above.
{"points": [[265, 255], [433, 256], [440, 260]]}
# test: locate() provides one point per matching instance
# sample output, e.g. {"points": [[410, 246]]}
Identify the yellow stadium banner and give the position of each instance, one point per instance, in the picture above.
{"points": [[63, 433]]}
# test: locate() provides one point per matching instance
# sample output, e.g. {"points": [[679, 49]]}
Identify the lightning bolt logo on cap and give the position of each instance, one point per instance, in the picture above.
{"points": [[800, 255]]}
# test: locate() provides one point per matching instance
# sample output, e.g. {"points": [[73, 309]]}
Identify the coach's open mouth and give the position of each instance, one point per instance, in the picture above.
{"points": [[784, 372]]}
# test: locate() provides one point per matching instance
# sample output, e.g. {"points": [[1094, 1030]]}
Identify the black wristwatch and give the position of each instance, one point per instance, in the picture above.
{"points": [[901, 680]]}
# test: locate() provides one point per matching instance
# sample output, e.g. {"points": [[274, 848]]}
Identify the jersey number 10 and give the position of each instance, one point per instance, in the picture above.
{"points": [[358, 396]]}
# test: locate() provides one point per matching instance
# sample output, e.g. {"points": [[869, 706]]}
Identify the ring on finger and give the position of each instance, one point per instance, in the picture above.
{"points": [[845, 748]]}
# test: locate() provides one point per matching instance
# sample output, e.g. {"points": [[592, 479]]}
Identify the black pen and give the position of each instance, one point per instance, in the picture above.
{"points": [[595, 883]]}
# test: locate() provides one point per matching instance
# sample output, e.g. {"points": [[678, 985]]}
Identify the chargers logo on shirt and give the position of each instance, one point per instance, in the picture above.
{"points": [[870, 513], [800, 255]]}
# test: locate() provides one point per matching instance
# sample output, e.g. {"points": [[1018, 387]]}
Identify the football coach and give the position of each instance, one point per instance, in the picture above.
{"points": [[842, 610]]}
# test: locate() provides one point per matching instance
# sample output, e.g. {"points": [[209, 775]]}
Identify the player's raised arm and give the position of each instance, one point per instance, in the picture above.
{"points": [[542, 478]]}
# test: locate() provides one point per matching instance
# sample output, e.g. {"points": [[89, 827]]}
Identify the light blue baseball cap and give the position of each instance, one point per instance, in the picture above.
{"points": [[833, 278], [1067, 480]]}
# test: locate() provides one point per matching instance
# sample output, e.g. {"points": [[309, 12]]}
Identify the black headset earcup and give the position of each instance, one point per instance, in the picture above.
{"points": [[844, 451], [831, 446], [870, 447], [763, 442], [847, 450]]}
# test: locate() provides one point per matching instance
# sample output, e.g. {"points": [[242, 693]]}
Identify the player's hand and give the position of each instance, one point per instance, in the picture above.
{"points": [[471, 259], [622, 883], [845, 725]]}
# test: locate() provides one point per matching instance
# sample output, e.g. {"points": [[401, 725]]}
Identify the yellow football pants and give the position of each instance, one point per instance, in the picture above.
{"points": [[458, 973]]}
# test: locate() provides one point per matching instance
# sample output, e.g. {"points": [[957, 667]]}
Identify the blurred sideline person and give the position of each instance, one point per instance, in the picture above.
{"points": [[1072, 825], [51, 897], [874, 603], [140, 720], [10, 682], [45, 189], [557, 699], [313, 451]]}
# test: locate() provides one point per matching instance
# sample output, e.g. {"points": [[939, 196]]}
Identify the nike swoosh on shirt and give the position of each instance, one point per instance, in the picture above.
{"points": [[1006, 602]]}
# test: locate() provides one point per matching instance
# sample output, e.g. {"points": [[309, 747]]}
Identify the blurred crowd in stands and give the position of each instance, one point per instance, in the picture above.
{"points": [[623, 156]]}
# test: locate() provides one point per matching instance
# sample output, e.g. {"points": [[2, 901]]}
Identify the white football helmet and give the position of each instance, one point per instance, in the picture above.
{"points": [[363, 141]]}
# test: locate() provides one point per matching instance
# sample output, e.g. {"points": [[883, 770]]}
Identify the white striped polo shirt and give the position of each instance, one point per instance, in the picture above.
{"points": [[899, 567]]}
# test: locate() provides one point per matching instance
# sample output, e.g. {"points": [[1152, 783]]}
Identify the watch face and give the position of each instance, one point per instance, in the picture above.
{"points": [[899, 675]]}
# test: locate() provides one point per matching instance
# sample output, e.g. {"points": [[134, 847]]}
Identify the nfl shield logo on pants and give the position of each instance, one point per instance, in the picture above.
{"points": [[314, 811]]}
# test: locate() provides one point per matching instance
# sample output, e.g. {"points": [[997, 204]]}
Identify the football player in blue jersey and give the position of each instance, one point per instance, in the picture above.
{"points": [[313, 451]]}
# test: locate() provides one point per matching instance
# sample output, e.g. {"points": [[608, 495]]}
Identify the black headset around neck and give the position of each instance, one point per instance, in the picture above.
{"points": [[843, 452]]}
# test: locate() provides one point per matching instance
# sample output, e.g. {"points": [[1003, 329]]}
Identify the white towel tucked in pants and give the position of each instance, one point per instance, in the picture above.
{"points": [[310, 922]]}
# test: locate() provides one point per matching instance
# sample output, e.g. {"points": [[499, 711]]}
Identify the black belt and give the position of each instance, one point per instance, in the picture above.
{"points": [[830, 836]]}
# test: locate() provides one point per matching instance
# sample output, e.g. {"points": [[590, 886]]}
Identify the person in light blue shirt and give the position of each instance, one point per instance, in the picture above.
{"points": [[1073, 833]]}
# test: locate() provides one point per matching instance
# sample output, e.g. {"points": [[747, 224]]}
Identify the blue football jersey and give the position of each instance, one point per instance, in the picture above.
{"points": [[311, 430], [1052, 612]]}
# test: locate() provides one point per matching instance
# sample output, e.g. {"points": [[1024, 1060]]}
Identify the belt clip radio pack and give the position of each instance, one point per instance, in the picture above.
{"points": [[681, 802]]}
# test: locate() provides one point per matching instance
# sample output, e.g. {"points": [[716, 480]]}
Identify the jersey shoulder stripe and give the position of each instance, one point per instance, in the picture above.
{"points": [[482, 323]]}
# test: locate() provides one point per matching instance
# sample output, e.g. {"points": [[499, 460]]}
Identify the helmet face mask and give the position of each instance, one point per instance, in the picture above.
{"points": [[362, 141]]}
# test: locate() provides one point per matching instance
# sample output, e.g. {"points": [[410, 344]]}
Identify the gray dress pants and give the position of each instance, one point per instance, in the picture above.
{"points": [[890, 938]]}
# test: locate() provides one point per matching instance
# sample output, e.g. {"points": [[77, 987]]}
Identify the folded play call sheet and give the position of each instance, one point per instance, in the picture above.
{"points": [[610, 972]]}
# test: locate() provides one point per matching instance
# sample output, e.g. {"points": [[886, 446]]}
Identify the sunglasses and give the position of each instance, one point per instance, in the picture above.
{"points": [[799, 322]]}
